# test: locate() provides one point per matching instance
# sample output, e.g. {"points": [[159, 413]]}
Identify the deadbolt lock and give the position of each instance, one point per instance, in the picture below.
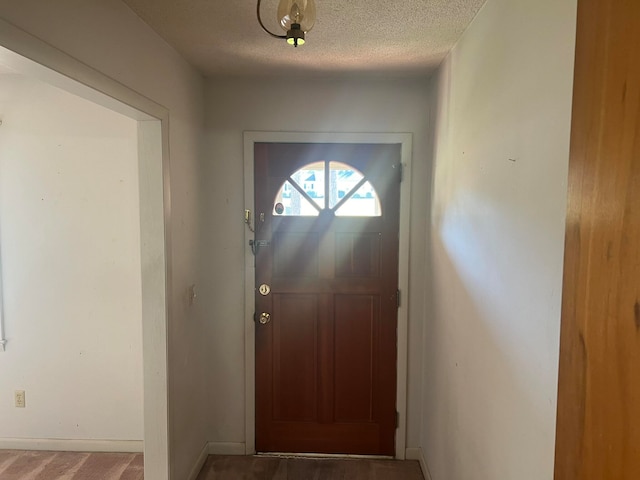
{"points": [[265, 318]]}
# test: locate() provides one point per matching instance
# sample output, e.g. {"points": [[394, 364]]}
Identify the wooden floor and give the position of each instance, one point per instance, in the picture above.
{"points": [[275, 468], [28, 465]]}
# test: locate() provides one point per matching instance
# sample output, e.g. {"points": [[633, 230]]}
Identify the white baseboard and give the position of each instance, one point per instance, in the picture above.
{"points": [[416, 454], [204, 453], [227, 448], [68, 445]]}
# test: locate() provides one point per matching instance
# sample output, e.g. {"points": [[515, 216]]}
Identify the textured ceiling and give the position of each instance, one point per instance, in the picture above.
{"points": [[222, 37]]}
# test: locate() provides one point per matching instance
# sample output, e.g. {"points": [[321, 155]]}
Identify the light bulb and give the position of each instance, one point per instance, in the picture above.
{"points": [[301, 12], [295, 14]]}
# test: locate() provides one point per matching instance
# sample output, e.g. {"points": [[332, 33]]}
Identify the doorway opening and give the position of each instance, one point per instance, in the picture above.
{"points": [[313, 206], [28, 56]]}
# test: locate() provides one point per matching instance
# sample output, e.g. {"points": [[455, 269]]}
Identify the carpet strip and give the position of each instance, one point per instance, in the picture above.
{"points": [[30, 465]]}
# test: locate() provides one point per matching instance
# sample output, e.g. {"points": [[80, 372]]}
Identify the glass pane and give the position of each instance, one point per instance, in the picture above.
{"points": [[363, 203], [311, 179], [342, 179], [289, 202]]}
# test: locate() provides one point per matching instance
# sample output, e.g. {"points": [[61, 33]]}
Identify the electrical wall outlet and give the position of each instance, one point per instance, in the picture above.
{"points": [[19, 398]]}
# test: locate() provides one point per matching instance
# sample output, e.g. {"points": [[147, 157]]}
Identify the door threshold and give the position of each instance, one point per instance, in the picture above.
{"points": [[325, 456]]}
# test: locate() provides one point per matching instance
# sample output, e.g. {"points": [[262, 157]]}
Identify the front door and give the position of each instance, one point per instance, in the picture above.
{"points": [[326, 246]]}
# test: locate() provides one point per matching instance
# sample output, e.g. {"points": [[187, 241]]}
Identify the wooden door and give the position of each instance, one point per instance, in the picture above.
{"points": [[598, 430], [327, 276]]}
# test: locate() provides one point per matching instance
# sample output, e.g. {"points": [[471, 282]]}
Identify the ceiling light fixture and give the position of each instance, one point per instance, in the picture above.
{"points": [[296, 17]]}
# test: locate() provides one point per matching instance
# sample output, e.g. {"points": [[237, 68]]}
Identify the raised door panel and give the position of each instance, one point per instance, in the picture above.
{"points": [[295, 361], [356, 334]]}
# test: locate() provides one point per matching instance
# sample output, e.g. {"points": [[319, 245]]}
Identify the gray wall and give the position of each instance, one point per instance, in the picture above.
{"points": [[71, 272]]}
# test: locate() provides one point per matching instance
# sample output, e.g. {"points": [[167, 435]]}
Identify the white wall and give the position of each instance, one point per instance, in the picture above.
{"points": [[108, 36], [234, 106], [502, 120], [70, 249]]}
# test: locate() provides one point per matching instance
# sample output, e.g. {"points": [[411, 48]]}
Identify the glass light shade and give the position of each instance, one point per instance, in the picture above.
{"points": [[302, 12]]}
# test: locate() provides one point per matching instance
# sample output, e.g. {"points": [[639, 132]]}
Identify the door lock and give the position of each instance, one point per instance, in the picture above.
{"points": [[264, 318]]}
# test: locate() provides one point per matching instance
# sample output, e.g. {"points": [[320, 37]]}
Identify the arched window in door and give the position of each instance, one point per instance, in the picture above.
{"points": [[327, 185]]}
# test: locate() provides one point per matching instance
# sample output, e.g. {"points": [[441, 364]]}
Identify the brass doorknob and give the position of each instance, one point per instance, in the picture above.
{"points": [[265, 318]]}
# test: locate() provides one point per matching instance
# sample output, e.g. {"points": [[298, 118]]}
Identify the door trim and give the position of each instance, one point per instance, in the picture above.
{"points": [[405, 141]]}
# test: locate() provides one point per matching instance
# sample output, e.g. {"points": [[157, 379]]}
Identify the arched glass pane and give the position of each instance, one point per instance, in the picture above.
{"points": [[363, 203], [348, 191]]}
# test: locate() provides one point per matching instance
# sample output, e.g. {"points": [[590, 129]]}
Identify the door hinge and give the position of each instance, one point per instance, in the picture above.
{"points": [[397, 419], [398, 298]]}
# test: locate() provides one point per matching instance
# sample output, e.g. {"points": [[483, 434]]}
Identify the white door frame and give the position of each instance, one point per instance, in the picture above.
{"points": [[31, 56], [405, 141]]}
